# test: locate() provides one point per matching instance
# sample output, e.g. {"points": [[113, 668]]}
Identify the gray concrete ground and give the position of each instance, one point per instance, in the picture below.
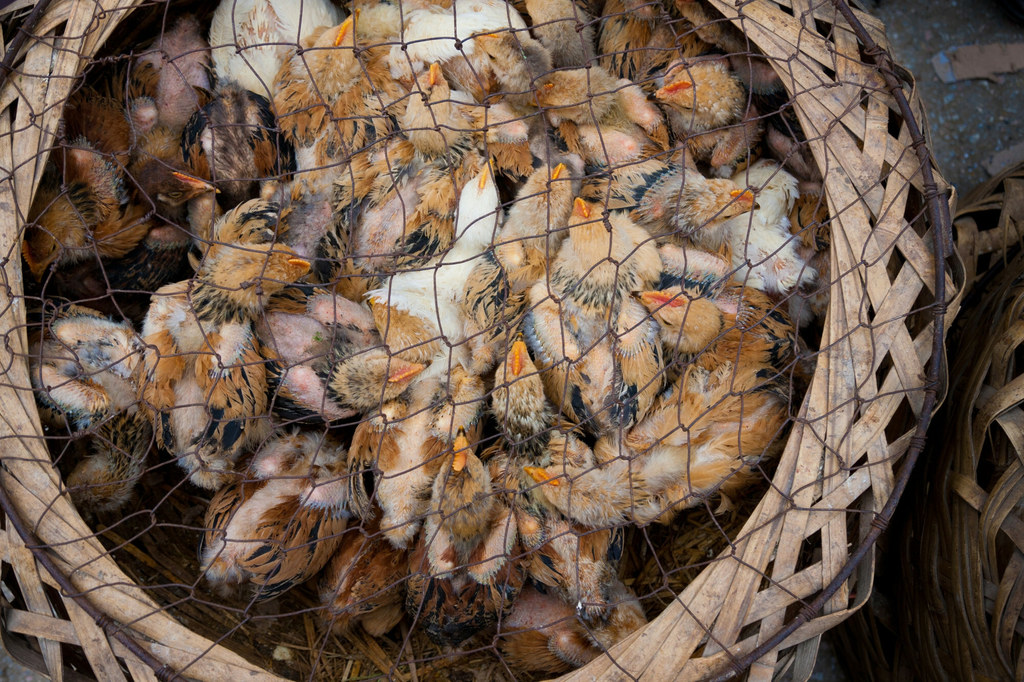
{"points": [[969, 121]]}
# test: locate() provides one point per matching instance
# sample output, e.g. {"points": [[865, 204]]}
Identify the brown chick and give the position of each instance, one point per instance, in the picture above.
{"points": [[518, 403], [516, 59], [83, 374], [463, 578], [578, 563], [707, 435], [204, 380], [606, 120], [733, 324], [234, 140], [707, 107], [809, 221], [596, 488], [322, 360], [363, 583], [181, 59], [162, 180], [632, 41], [531, 236], [566, 29], [277, 528], [543, 633], [685, 203], [394, 457], [86, 219]]}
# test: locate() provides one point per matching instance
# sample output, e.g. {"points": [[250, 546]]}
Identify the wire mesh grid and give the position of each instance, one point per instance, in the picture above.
{"points": [[457, 338]]}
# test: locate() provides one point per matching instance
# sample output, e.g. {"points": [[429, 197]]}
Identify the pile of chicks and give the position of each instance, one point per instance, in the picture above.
{"points": [[435, 297]]}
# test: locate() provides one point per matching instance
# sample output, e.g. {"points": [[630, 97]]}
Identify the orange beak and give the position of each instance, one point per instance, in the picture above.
{"points": [[299, 263], [559, 169], [461, 447], [435, 74], [407, 371], [580, 208], [540, 475], [195, 183], [657, 299], [518, 358], [743, 196], [483, 176], [343, 30], [673, 88]]}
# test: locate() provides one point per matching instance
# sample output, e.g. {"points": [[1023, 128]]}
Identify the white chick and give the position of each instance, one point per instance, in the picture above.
{"points": [[432, 33], [432, 293], [764, 253], [252, 38]]}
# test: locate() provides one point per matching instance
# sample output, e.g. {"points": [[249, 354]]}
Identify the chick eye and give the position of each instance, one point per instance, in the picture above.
{"points": [[174, 195]]}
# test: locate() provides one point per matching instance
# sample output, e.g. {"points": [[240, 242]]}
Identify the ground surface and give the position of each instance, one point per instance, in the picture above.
{"points": [[969, 121]]}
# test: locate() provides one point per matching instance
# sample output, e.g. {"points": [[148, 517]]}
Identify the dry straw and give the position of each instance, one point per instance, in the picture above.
{"points": [[791, 569]]}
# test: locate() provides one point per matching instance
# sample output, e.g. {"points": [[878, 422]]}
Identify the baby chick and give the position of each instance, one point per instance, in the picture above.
{"points": [[180, 60], [809, 223], [565, 29], [518, 403], [252, 38], [686, 203], [707, 108], [530, 237], [764, 253], [596, 488], [542, 632], [632, 41], [277, 528], [707, 435], [395, 455], [363, 583], [205, 382], [162, 180], [579, 564], [234, 141], [83, 374], [431, 296], [428, 33], [606, 120], [321, 364], [462, 575]]}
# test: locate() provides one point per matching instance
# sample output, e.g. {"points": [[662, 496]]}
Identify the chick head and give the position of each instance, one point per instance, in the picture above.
{"points": [[368, 380], [705, 90], [583, 96], [515, 58], [712, 201], [245, 266], [688, 321], [463, 491]]}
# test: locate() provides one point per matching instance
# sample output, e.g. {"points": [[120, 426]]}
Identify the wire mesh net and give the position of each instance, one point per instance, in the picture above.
{"points": [[424, 339]]}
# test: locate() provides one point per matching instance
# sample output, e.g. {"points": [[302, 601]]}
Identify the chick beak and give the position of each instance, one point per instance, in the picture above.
{"points": [[483, 176], [299, 264], [743, 196], [657, 299], [539, 475], [557, 172], [673, 88], [580, 208], [435, 74], [406, 371], [518, 358], [343, 30], [195, 184], [461, 447]]}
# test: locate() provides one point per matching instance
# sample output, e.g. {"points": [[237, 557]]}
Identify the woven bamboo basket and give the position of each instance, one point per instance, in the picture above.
{"points": [[801, 562], [963, 540]]}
